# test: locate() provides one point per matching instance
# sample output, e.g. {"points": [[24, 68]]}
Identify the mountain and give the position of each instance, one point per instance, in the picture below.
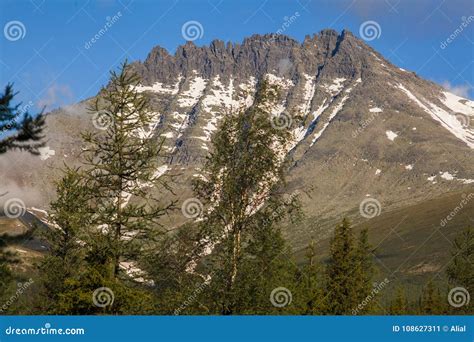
{"points": [[369, 137]]}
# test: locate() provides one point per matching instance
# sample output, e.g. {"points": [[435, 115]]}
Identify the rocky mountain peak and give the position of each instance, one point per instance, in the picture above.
{"points": [[360, 124], [327, 54]]}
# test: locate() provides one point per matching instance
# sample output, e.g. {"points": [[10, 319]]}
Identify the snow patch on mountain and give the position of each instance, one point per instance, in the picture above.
{"points": [[160, 88], [279, 81], [308, 94], [375, 110], [331, 117], [391, 135], [446, 175], [335, 87], [447, 120], [221, 97], [320, 110], [191, 96], [458, 104]]}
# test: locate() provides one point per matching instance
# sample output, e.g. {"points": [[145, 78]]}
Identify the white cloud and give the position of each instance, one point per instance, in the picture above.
{"points": [[459, 90], [56, 95]]}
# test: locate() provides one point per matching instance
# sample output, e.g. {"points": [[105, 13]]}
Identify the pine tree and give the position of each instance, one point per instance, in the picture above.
{"points": [[18, 128], [176, 290], [364, 271], [460, 271], [65, 260], [399, 305], [431, 302], [349, 272], [341, 295], [265, 265], [310, 280], [461, 268]]}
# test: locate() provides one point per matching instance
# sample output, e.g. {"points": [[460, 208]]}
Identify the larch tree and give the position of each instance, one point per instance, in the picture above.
{"points": [[107, 214], [122, 171]]}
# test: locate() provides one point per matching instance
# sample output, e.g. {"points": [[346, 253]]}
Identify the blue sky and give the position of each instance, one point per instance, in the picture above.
{"points": [[42, 48]]}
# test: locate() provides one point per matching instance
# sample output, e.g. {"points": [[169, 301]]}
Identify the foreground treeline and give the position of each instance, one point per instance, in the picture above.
{"points": [[110, 254]]}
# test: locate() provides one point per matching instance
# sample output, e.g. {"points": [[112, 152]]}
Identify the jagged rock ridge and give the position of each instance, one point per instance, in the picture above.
{"points": [[363, 128]]}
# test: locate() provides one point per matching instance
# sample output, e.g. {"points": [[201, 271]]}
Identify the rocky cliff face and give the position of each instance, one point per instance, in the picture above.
{"points": [[363, 128]]}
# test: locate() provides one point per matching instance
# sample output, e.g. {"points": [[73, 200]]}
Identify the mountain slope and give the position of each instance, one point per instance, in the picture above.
{"points": [[363, 128]]}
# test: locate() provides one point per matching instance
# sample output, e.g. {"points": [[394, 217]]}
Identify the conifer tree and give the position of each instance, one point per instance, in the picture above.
{"points": [[399, 305], [121, 169], [266, 265], [106, 212], [18, 128], [460, 271], [349, 272], [176, 290], [364, 271], [341, 295], [310, 280], [7, 259], [65, 260], [431, 302], [461, 268]]}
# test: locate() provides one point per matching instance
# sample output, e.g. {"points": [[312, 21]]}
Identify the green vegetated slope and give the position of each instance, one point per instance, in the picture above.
{"points": [[409, 243]]}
